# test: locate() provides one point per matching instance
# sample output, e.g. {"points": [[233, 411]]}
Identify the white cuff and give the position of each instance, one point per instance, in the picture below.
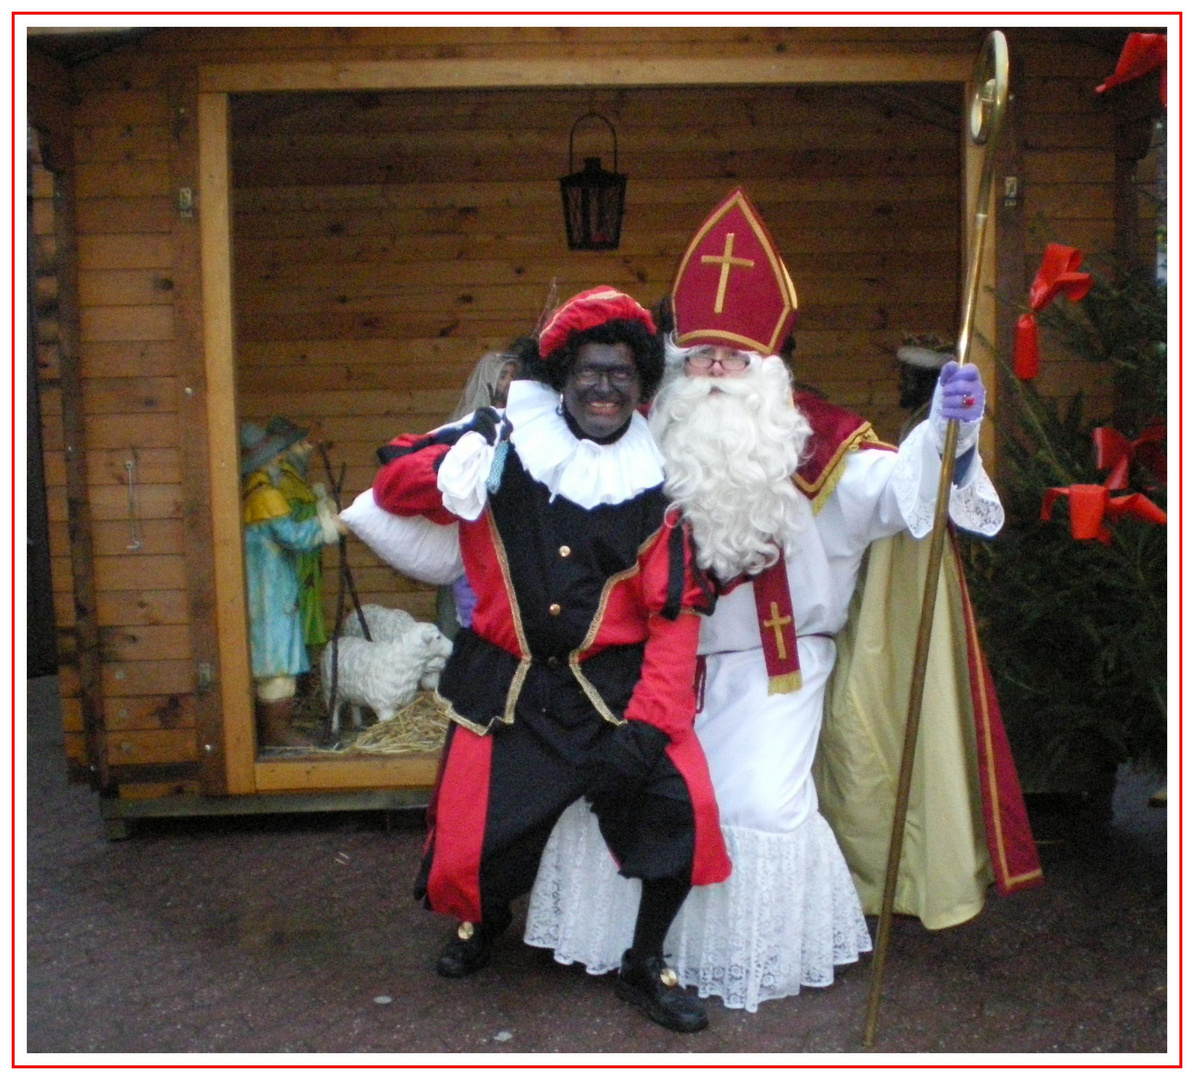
{"points": [[462, 475], [973, 502]]}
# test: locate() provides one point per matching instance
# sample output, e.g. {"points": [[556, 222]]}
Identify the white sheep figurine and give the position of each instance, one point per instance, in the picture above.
{"points": [[385, 623], [385, 675]]}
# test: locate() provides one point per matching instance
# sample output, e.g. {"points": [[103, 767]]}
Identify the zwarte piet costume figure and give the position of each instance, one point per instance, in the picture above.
{"points": [[576, 676]]}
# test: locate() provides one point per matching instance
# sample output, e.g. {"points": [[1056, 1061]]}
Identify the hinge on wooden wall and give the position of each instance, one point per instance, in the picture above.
{"points": [[1011, 191], [186, 202], [206, 677]]}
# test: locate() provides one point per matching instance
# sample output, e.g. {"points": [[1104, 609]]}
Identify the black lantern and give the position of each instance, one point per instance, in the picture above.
{"points": [[593, 199]]}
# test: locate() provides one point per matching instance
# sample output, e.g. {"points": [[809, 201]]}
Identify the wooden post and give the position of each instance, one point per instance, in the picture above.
{"points": [[1011, 273], [214, 209], [192, 451]]}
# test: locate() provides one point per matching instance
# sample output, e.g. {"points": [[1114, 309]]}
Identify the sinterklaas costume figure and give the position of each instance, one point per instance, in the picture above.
{"points": [[813, 528]]}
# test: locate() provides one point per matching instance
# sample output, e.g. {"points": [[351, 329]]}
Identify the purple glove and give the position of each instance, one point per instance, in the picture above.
{"points": [[465, 599], [962, 394]]}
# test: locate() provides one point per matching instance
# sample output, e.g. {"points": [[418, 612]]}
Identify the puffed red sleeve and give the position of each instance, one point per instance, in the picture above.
{"points": [[674, 593], [406, 485]]}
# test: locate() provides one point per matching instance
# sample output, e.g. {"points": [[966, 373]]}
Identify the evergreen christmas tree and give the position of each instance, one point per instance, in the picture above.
{"points": [[1076, 629]]}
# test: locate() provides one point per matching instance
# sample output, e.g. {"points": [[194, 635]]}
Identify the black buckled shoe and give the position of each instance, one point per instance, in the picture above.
{"points": [[651, 987], [470, 948]]}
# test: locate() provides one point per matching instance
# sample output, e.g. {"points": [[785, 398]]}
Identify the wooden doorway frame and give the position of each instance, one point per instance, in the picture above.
{"points": [[246, 775]]}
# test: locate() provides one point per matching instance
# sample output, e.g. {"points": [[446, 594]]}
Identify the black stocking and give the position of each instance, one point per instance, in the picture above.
{"points": [[661, 900]]}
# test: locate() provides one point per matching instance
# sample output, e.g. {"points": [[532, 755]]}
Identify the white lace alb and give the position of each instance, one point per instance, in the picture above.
{"points": [[785, 917]]}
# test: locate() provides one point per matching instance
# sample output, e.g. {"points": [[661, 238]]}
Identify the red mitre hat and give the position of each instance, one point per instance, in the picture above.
{"points": [[732, 287]]}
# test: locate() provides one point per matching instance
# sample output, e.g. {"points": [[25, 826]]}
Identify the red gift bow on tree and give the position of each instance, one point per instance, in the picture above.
{"points": [[1114, 451], [1092, 505], [1058, 274], [1141, 54]]}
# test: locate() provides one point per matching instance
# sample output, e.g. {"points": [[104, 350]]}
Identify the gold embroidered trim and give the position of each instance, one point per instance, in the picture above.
{"points": [[445, 706], [591, 693], [504, 564], [520, 676], [595, 625], [524, 662], [820, 489], [524, 659], [610, 584]]}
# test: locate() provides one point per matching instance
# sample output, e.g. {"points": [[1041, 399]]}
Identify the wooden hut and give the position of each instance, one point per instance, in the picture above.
{"points": [[332, 225]]}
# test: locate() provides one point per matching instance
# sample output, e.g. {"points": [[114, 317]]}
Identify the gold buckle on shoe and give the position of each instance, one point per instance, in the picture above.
{"points": [[668, 977], [465, 931]]}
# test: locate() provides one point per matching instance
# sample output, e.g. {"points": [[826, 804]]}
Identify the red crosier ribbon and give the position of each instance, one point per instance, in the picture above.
{"points": [[1092, 505], [1058, 274], [1141, 54]]}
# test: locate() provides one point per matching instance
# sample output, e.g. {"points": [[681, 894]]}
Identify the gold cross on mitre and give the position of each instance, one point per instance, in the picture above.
{"points": [[726, 259], [777, 622]]}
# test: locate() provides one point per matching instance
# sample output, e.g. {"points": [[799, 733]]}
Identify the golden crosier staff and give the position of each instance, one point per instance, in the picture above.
{"points": [[987, 106]]}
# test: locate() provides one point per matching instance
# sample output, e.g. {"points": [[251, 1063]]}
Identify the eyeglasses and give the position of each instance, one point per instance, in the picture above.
{"points": [[621, 377], [702, 362]]}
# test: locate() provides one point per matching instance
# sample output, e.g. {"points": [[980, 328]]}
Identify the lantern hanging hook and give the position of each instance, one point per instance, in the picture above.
{"points": [[607, 123]]}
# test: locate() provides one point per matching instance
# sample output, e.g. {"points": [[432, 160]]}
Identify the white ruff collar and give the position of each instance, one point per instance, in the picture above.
{"points": [[584, 472]]}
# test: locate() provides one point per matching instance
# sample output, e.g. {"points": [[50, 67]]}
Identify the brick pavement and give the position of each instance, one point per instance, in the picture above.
{"points": [[298, 935]]}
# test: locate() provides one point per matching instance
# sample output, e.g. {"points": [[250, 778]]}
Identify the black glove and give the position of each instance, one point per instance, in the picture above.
{"points": [[621, 765], [490, 424], [486, 421]]}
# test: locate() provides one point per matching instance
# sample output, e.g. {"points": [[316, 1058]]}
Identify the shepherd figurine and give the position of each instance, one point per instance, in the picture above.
{"points": [[275, 537]]}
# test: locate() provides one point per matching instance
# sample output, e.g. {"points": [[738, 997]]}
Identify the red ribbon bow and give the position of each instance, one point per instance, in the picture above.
{"points": [[1092, 505], [1141, 54], [1058, 274], [1114, 451]]}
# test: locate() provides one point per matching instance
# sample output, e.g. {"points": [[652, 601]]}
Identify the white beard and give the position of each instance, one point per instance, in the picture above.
{"points": [[730, 456]]}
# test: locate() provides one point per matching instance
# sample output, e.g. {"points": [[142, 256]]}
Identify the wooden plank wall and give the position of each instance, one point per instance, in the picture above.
{"points": [[384, 241], [45, 289], [1068, 142], [128, 384]]}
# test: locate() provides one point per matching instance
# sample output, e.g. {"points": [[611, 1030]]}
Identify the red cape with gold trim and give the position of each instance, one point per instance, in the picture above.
{"points": [[967, 823]]}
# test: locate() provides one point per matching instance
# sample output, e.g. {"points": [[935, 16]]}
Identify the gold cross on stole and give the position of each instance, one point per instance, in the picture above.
{"points": [[726, 258], [777, 622]]}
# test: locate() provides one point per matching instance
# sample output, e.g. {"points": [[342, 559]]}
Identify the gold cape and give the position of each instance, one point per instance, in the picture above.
{"points": [[946, 862]]}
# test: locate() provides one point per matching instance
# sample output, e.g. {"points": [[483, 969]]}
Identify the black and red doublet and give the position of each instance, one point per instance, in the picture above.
{"points": [[585, 616]]}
